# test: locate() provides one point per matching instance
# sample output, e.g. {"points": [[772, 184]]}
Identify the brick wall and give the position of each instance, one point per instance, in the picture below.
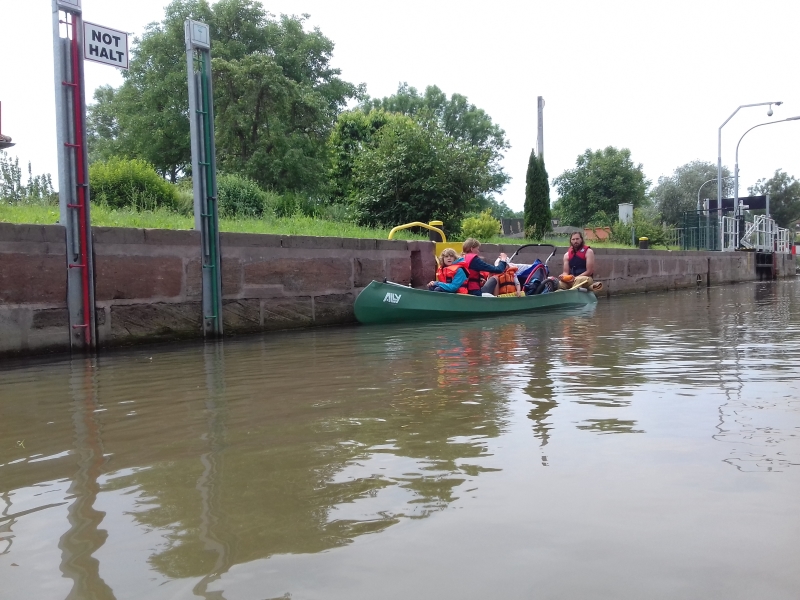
{"points": [[148, 282]]}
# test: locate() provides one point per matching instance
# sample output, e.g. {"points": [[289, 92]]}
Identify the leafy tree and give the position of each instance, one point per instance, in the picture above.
{"points": [[275, 93], [416, 172], [784, 197], [354, 131], [600, 181], [497, 208], [455, 116], [677, 193], [537, 199], [39, 189]]}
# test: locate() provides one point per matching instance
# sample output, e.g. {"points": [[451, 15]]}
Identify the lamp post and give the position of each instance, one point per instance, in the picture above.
{"points": [[736, 168], [719, 157], [704, 185]]}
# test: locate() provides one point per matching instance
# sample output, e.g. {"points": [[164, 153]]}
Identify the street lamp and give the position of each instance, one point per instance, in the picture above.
{"points": [[736, 168], [704, 185], [719, 163]]}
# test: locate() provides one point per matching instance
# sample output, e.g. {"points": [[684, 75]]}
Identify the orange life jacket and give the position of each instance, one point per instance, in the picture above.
{"points": [[506, 282], [446, 274]]}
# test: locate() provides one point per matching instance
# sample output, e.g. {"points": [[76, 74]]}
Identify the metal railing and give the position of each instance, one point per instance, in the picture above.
{"points": [[730, 234], [764, 235]]}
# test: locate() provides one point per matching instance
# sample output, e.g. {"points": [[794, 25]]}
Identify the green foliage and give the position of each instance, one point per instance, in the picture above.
{"points": [[678, 193], [416, 172], [354, 131], [784, 197], [39, 189], [162, 218], [275, 93], [645, 223], [134, 183], [455, 116], [481, 227], [537, 199], [601, 180], [240, 197], [498, 209], [600, 219]]}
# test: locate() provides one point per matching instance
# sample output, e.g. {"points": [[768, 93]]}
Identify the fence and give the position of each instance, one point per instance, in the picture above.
{"points": [[701, 231]]}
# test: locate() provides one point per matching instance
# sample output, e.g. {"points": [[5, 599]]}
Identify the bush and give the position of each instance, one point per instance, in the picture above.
{"points": [[481, 227], [644, 225], [121, 182], [240, 197]]}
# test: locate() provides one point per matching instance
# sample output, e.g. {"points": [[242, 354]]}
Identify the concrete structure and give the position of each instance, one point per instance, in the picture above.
{"points": [[148, 282]]}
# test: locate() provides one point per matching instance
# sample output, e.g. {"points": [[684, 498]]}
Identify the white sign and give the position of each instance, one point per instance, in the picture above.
{"points": [[199, 36], [104, 45]]}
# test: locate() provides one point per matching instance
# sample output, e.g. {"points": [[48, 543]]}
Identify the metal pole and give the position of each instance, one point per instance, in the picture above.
{"points": [[540, 133], [73, 171], [719, 162], [702, 186], [204, 178]]}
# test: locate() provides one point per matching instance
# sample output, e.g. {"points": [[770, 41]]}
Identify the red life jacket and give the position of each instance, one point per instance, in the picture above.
{"points": [[446, 275], [473, 276], [577, 260]]}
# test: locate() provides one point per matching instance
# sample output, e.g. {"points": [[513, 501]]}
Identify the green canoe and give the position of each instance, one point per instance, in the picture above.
{"points": [[394, 303]]}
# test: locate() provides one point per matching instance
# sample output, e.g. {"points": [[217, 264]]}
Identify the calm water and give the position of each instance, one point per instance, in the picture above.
{"points": [[647, 449]]}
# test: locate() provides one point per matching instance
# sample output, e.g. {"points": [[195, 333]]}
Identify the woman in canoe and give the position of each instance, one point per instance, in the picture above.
{"points": [[475, 265]]}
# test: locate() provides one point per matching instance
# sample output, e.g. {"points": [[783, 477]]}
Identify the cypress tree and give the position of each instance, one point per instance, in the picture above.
{"points": [[537, 199]]}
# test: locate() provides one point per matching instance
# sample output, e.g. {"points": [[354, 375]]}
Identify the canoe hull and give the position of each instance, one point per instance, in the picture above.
{"points": [[392, 303]]}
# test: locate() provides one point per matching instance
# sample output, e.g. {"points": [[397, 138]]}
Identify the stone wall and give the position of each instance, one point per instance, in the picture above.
{"points": [[148, 282]]}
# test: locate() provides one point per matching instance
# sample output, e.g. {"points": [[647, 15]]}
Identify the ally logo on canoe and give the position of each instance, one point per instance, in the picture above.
{"points": [[393, 298]]}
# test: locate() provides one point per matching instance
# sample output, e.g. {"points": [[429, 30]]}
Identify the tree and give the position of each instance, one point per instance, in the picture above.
{"points": [[416, 172], [784, 197], [600, 181], [276, 96], [455, 116], [677, 193], [537, 198]]}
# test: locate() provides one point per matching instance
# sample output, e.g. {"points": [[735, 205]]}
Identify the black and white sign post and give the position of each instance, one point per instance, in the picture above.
{"points": [[104, 45], [74, 40]]}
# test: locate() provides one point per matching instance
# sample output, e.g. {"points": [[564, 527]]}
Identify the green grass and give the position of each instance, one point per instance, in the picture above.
{"points": [[103, 216]]}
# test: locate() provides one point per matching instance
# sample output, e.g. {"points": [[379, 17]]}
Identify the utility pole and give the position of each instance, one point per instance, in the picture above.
{"points": [[540, 134]]}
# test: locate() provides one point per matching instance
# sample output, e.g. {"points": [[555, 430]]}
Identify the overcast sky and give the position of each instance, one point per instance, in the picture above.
{"points": [[658, 78]]}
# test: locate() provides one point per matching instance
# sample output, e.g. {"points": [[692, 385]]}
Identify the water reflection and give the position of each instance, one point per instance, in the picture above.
{"points": [[84, 536], [187, 462]]}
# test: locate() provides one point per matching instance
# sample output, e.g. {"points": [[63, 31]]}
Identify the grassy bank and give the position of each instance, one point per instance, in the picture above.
{"points": [[103, 216]]}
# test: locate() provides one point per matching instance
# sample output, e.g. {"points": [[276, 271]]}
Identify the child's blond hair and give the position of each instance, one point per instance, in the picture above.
{"points": [[447, 252]]}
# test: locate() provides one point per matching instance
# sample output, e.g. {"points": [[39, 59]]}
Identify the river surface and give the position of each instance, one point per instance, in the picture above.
{"points": [[649, 448]]}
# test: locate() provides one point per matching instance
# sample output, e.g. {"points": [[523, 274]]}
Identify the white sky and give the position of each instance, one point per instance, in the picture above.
{"points": [[658, 78]]}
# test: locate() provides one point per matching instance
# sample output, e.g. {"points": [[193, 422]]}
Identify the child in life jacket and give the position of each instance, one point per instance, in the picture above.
{"points": [[475, 265], [504, 283], [451, 276]]}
